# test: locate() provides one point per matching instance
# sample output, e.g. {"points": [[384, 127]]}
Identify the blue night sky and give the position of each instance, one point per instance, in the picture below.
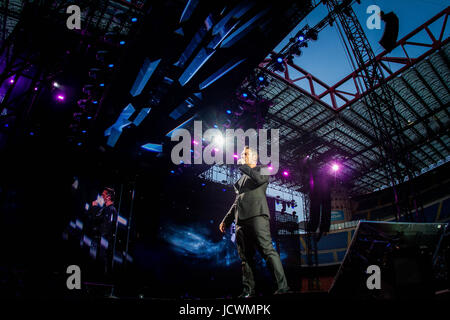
{"points": [[326, 57]]}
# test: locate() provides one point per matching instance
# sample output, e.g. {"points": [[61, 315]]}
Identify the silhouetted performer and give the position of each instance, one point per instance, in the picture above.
{"points": [[104, 222], [251, 214]]}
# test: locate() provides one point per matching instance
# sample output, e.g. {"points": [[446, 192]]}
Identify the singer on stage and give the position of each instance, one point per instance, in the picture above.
{"points": [[251, 215]]}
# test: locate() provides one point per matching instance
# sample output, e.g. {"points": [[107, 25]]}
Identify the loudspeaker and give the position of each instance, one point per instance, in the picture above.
{"points": [[320, 205], [401, 252], [389, 38]]}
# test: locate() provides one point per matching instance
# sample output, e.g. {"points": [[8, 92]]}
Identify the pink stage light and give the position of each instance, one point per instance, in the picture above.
{"points": [[236, 156], [60, 97], [335, 167], [194, 142], [285, 173]]}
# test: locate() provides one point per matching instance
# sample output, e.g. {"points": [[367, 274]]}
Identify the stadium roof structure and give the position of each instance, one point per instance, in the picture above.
{"points": [[107, 16], [331, 123]]}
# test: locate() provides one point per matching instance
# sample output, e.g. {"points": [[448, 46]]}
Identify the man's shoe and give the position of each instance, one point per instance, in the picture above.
{"points": [[246, 295], [282, 291]]}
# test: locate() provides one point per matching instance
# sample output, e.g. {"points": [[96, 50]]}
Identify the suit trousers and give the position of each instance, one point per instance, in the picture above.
{"points": [[254, 234]]}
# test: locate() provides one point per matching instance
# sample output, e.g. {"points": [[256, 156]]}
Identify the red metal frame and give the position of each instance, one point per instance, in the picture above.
{"points": [[348, 97]]}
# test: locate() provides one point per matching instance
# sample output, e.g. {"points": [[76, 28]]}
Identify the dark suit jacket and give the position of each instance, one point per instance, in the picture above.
{"points": [[251, 198]]}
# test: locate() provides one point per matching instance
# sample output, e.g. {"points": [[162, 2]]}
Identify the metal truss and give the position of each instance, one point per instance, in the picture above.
{"points": [[341, 97], [315, 118], [20, 61]]}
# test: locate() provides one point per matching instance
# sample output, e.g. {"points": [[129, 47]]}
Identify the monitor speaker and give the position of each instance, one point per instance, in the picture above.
{"points": [[399, 256]]}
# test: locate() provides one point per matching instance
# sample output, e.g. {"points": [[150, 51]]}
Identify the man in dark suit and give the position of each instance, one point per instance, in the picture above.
{"points": [[251, 215]]}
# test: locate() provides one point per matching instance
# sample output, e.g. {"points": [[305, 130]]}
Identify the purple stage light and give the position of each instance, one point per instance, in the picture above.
{"points": [[335, 167], [235, 156], [194, 142], [285, 173], [60, 97], [11, 81], [270, 168]]}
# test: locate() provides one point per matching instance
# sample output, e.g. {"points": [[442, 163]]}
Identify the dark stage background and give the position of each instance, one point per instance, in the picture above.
{"points": [[175, 247]]}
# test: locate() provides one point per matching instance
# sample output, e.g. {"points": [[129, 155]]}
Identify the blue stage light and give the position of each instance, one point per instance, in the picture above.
{"points": [[244, 95], [102, 84], [229, 111], [111, 65], [89, 118], [134, 19], [122, 43], [84, 131], [301, 38], [95, 102], [261, 78], [172, 171], [279, 60]]}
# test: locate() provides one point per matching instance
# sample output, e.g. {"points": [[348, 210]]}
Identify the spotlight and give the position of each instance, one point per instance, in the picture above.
{"points": [[60, 97], [56, 84], [279, 67], [335, 167], [285, 173], [296, 50], [290, 59], [235, 156], [301, 38], [312, 34], [94, 73], [11, 81], [88, 89]]}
